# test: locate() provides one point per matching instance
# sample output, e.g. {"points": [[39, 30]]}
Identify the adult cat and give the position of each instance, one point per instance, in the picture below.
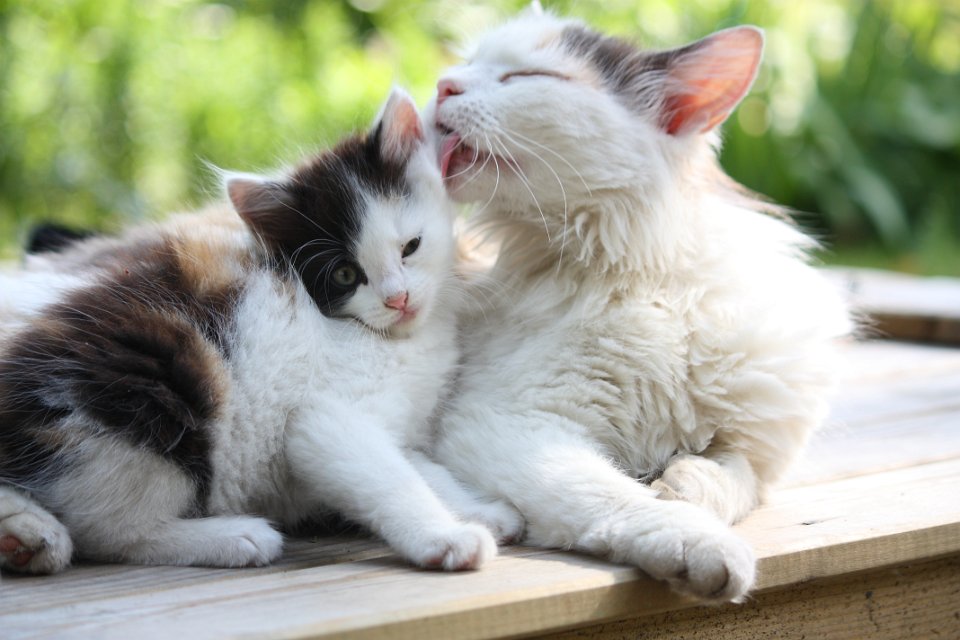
{"points": [[170, 393], [668, 349]]}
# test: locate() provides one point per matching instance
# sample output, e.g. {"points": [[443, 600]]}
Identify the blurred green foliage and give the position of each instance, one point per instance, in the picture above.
{"points": [[109, 109]]}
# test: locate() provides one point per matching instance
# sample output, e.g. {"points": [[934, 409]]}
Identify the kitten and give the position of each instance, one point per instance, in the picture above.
{"points": [[174, 391], [668, 349]]}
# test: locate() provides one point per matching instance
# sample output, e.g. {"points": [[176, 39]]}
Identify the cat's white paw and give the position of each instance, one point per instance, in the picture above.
{"points": [[693, 552], [32, 540], [251, 542], [729, 491], [504, 522], [709, 565], [456, 548]]}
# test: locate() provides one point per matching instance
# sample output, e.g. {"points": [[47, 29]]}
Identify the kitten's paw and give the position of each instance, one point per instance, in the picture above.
{"points": [[504, 522], [461, 547], [33, 541], [252, 542]]}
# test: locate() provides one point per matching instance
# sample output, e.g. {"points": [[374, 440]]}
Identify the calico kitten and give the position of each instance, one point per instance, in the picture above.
{"points": [[169, 394], [669, 349]]}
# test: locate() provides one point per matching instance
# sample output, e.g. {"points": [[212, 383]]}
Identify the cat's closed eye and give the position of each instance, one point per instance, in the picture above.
{"points": [[410, 247], [532, 73]]}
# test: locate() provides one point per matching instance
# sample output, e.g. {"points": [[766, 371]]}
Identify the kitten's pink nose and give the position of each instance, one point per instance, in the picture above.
{"points": [[446, 88], [398, 302]]}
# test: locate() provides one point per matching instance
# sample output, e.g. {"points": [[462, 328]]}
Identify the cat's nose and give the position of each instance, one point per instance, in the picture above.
{"points": [[446, 88], [398, 302]]}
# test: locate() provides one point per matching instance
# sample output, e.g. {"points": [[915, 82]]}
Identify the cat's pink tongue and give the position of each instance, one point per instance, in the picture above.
{"points": [[446, 152]]}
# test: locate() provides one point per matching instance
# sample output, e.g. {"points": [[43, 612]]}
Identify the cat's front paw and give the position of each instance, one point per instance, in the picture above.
{"points": [[33, 541], [504, 522], [457, 548], [251, 542], [689, 549], [709, 565]]}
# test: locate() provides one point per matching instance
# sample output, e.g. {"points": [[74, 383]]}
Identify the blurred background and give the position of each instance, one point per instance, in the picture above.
{"points": [[109, 109]]}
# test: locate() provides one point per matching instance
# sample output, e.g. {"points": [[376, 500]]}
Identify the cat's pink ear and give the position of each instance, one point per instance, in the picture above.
{"points": [[257, 201], [401, 131], [707, 79]]}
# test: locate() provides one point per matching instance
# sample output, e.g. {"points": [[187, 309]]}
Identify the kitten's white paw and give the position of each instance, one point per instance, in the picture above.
{"points": [[31, 539], [693, 552], [461, 547], [504, 522], [250, 542]]}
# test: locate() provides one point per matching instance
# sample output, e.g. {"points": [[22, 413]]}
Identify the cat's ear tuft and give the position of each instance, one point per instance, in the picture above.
{"points": [[707, 79], [399, 127], [257, 200]]}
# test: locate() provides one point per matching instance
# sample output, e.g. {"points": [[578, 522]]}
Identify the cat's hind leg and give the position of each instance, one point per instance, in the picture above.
{"points": [[126, 504], [721, 482], [219, 541], [32, 540]]}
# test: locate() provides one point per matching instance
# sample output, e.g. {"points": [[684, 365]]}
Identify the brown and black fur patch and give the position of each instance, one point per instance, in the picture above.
{"points": [[139, 356]]}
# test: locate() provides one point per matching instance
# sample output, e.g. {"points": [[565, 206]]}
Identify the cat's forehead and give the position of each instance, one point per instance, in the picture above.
{"points": [[518, 40]]}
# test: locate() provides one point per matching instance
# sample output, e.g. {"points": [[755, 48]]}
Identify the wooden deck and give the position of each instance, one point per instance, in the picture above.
{"points": [[862, 540]]}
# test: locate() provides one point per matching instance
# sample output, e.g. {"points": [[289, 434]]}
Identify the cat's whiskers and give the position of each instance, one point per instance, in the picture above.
{"points": [[563, 192], [515, 134], [515, 167]]}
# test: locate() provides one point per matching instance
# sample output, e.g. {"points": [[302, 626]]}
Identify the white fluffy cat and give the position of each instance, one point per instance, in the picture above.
{"points": [[652, 348]]}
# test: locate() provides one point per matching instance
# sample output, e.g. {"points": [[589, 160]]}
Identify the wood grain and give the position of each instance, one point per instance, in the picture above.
{"points": [[913, 601], [877, 489]]}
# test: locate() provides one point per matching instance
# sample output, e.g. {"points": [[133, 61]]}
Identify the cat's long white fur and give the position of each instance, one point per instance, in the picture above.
{"points": [[639, 320]]}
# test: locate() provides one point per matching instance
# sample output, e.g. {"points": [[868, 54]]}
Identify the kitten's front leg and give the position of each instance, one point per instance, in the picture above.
{"points": [[573, 497], [350, 463], [499, 516]]}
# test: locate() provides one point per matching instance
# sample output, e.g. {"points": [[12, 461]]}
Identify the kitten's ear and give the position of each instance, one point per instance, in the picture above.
{"points": [[707, 79], [259, 201], [535, 8], [399, 127]]}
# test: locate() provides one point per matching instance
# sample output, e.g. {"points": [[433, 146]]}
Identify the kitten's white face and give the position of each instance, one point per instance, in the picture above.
{"points": [[366, 226], [406, 251]]}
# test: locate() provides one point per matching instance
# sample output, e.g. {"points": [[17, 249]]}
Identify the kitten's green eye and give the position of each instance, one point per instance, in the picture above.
{"points": [[345, 276], [410, 247]]}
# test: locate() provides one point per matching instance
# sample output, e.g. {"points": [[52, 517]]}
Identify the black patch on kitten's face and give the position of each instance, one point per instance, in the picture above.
{"points": [[134, 354], [318, 215]]}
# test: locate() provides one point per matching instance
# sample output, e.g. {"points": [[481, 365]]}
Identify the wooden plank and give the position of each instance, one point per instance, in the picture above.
{"points": [[899, 406], [807, 532], [915, 601], [903, 306]]}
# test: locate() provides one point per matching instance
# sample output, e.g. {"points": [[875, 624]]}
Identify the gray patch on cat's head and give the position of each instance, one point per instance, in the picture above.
{"points": [[635, 76]]}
